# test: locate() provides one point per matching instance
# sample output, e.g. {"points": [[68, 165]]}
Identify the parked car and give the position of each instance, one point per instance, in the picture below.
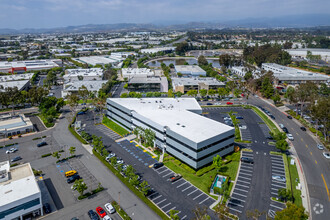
{"points": [[209, 103], [110, 156], [229, 103], [73, 178], [106, 218], [247, 160], [42, 144], [120, 161], [239, 117], [156, 165], [272, 116], [175, 177], [92, 215], [46, 208], [101, 211], [285, 130], [303, 128], [278, 178], [16, 159], [289, 117], [242, 127], [124, 167], [81, 113], [281, 126], [11, 150], [320, 147], [326, 155], [227, 118], [217, 103], [290, 137], [110, 208]]}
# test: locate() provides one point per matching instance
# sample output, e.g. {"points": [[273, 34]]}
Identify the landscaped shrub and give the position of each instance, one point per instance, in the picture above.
{"points": [[204, 170], [217, 190], [46, 155]]}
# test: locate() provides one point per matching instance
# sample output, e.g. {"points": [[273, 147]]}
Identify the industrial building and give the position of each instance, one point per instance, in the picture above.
{"points": [[158, 49], [91, 85], [184, 84], [179, 127], [20, 195], [101, 60], [190, 70], [148, 84], [83, 74], [14, 125], [292, 76], [28, 65], [21, 81]]}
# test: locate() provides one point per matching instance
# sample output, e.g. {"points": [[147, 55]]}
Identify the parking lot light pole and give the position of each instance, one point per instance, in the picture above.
{"points": [[119, 199]]}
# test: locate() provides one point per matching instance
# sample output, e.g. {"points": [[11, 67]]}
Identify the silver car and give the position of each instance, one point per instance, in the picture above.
{"points": [[320, 147]]}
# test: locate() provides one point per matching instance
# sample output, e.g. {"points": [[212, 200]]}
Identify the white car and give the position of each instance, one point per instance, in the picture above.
{"points": [[320, 147], [110, 208], [278, 178], [106, 217], [11, 150], [281, 126], [290, 137], [217, 103], [242, 127], [326, 155]]}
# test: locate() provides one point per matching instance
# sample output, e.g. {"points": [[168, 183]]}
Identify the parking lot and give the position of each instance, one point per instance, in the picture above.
{"points": [[237, 202], [113, 135]]}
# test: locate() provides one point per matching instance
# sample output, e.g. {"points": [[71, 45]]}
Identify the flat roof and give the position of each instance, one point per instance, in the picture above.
{"points": [[94, 60], [11, 84], [15, 122], [195, 81], [176, 115], [137, 71], [188, 68], [91, 85], [15, 77], [21, 184], [84, 72], [155, 79]]}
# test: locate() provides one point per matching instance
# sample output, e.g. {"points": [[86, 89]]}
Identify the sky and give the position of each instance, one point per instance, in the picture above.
{"points": [[19, 14]]}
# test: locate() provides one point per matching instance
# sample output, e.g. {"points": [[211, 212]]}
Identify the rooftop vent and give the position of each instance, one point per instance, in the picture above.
{"points": [[177, 123], [183, 126], [8, 191]]}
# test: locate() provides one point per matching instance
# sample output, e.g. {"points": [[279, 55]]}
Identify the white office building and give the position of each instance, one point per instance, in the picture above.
{"points": [[83, 74], [292, 76], [20, 195], [157, 49], [73, 87], [184, 84], [190, 70], [179, 127], [136, 72], [101, 60], [14, 125]]}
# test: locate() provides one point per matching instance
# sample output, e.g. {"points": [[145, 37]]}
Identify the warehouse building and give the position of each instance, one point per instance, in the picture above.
{"points": [[19, 192], [179, 127], [28, 65], [73, 87], [14, 125], [190, 70], [101, 60], [158, 49], [184, 84], [292, 76]]}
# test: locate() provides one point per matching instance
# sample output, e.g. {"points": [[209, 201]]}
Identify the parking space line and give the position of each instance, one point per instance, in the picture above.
{"points": [[278, 166], [239, 194], [246, 170], [167, 174], [275, 189], [244, 177], [274, 193], [160, 201], [172, 209], [177, 181], [163, 171], [198, 196], [235, 204], [157, 197], [242, 185], [181, 184], [278, 173], [204, 200], [244, 174], [192, 192], [243, 181], [241, 189], [187, 188], [237, 199], [277, 185], [276, 206], [273, 168], [235, 210], [166, 205], [184, 217], [152, 194]]}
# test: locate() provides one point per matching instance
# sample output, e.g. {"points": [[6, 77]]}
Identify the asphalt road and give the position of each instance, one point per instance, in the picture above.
{"points": [[315, 166]]}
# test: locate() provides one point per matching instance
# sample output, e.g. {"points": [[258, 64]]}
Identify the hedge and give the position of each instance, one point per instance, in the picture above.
{"points": [[204, 170], [120, 211], [36, 138], [132, 188], [77, 135], [46, 155]]}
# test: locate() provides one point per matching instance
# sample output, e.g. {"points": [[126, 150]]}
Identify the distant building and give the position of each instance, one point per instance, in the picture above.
{"points": [[136, 72], [148, 84], [28, 65], [190, 70], [184, 84], [179, 127], [83, 74], [293, 76], [91, 85], [241, 71], [157, 49], [101, 60], [14, 125], [21, 81], [19, 192], [302, 53]]}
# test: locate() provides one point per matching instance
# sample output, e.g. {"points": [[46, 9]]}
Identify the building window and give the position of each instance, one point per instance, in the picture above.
{"points": [[23, 206]]}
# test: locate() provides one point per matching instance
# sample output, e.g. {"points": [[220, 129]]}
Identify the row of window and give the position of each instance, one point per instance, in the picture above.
{"points": [[23, 206]]}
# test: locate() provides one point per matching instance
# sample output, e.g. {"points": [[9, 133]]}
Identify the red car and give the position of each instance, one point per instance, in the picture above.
{"points": [[101, 212], [229, 103]]}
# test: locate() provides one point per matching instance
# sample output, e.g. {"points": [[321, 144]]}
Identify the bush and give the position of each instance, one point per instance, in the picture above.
{"points": [[74, 133], [217, 190], [44, 136], [204, 170], [313, 130], [46, 155], [10, 137], [14, 164], [36, 138], [120, 211]]}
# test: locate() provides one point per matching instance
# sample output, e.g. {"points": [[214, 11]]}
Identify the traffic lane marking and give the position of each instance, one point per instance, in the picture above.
{"points": [[326, 187], [315, 161]]}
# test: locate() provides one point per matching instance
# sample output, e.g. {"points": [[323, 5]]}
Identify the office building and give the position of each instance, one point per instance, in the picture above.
{"points": [[91, 85], [20, 195], [83, 74], [190, 70], [158, 49], [292, 76], [184, 84], [148, 84], [14, 125], [136, 72], [179, 127], [101, 60]]}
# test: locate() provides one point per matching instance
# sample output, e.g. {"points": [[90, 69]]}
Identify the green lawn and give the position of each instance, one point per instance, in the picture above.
{"points": [[287, 175], [204, 182], [265, 118], [114, 126], [294, 182]]}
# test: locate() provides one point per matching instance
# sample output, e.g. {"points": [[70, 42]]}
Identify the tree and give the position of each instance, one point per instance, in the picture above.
{"points": [[212, 92], [56, 154], [113, 161], [248, 76], [290, 94], [83, 93], [125, 86], [222, 92], [222, 211], [144, 187], [203, 92], [217, 162], [287, 45], [201, 213], [174, 214], [230, 86], [225, 60], [170, 93], [130, 171], [192, 93], [321, 112], [254, 214], [73, 100], [267, 89], [284, 195], [202, 61], [134, 180], [72, 150], [124, 95], [276, 98], [306, 92], [181, 48], [80, 186], [292, 212]]}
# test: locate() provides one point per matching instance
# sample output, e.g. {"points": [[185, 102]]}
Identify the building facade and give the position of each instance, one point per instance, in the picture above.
{"points": [[184, 84], [179, 127]]}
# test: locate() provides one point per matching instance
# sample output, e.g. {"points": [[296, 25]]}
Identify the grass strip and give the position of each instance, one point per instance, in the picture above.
{"points": [[120, 211], [114, 126], [294, 181], [265, 118], [132, 188], [287, 174], [74, 133]]}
